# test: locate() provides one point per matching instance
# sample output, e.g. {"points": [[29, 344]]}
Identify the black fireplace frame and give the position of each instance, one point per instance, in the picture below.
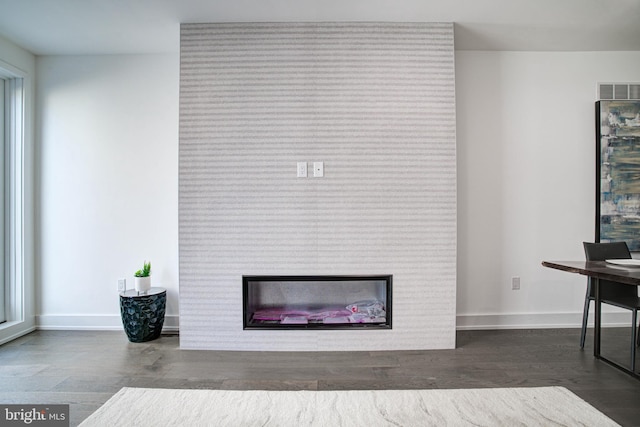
{"points": [[247, 323]]}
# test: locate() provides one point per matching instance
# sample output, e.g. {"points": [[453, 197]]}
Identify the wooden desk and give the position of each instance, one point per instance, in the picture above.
{"points": [[601, 270]]}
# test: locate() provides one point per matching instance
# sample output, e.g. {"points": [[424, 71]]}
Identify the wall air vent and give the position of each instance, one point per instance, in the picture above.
{"points": [[612, 91]]}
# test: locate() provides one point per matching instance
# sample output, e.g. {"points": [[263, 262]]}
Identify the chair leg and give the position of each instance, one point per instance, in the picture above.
{"points": [[638, 338], [585, 317], [634, 335]]}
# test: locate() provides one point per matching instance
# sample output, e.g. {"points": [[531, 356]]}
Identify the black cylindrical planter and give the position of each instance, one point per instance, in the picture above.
{"points": [[143, 313]]}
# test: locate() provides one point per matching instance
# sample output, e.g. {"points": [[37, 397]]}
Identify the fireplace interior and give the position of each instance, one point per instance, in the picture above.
{"points": [[318, 302]]}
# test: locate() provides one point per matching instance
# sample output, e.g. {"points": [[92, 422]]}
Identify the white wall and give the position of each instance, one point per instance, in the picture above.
{"points": [[526, 191], [526, 170], [108, 134]]}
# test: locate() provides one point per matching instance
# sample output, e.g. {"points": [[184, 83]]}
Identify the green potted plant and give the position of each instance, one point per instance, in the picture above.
{"points": [[143, 278]]}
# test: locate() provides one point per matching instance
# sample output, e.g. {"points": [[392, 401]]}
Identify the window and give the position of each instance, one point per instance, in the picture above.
{"points": [[3, 287], [11, 197]]}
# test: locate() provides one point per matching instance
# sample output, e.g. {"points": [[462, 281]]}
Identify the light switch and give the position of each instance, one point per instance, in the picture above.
{"points": [[318, 169], [302, 169]]}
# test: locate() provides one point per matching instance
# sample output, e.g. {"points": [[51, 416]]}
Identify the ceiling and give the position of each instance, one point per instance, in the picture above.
{"points": [[85, 27]]}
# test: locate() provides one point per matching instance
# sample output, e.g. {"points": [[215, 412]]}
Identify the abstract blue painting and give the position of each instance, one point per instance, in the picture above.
{"points": [[618, 172]]}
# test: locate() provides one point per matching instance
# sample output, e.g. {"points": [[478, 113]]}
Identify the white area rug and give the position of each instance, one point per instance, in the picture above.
{"points": [[542, 406]]}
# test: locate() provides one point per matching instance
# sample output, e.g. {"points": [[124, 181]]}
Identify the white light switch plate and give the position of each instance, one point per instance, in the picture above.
{"points": [[302, 169]]}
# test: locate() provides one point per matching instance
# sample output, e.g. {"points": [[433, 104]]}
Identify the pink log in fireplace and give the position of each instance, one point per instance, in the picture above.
{"points": [[318, 302]]}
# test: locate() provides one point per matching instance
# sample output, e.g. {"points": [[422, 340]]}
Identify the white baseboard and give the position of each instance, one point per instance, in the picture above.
{"points": [[463, 322], [538, 320], [94, 322]]}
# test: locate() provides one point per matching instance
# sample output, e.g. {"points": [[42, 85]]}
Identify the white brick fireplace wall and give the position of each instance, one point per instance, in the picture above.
{"points": [[376, 103]]}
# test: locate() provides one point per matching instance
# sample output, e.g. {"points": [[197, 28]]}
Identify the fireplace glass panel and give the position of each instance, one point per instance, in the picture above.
{"points": [[325, 302]]}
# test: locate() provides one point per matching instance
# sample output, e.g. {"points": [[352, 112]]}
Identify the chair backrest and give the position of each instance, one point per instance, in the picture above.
{"points": [[604, 251]]}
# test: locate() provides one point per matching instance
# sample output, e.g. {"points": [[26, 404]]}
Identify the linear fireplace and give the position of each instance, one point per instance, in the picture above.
{"points": [[318, 302]]}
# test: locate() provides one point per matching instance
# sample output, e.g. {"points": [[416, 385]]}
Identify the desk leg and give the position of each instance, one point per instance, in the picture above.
{"points": [[596, 326]]}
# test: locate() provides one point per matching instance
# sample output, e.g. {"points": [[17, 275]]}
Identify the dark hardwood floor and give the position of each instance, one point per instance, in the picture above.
{"points": [[84, 369]]}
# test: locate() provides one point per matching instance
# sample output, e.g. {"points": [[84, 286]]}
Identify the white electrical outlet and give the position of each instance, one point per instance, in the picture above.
{"points": [[122, 285], [515, 283]]}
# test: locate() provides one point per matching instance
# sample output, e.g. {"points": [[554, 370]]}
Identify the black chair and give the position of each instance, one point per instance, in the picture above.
{"points": [[617, 294]]}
